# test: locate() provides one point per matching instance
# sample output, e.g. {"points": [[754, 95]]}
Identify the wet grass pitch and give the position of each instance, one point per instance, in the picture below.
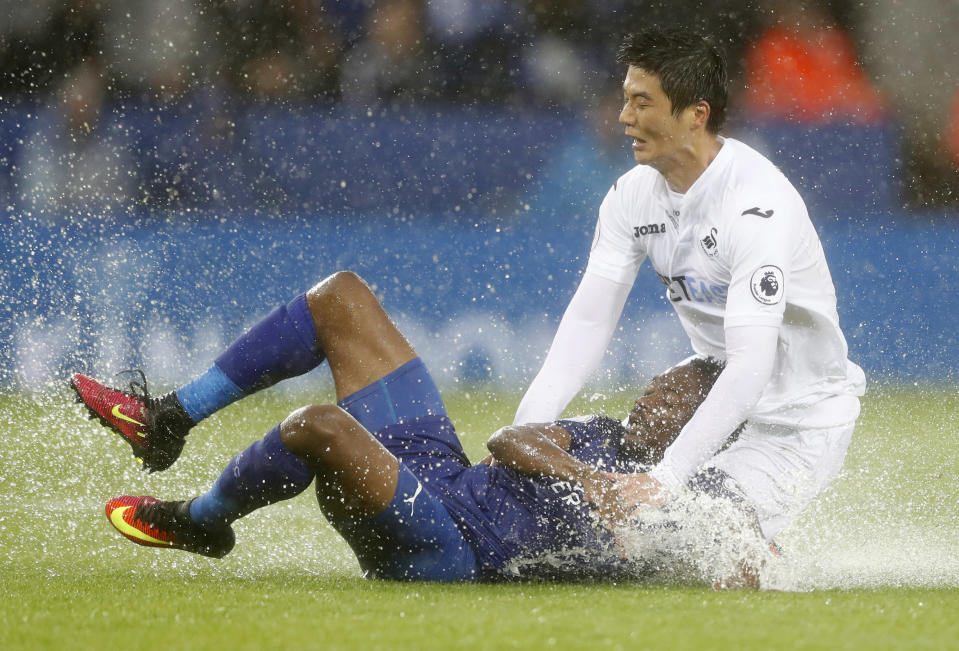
{"points": [[874, 562]]}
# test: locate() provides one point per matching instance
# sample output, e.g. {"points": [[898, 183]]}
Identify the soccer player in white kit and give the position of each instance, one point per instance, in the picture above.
{"points": [[732, 241]]}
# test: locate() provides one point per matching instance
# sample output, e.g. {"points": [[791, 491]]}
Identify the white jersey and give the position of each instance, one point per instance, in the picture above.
{"points": [[737, 249]]}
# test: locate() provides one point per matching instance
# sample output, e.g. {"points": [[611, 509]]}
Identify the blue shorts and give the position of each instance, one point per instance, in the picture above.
{"points": [[415, 538]]}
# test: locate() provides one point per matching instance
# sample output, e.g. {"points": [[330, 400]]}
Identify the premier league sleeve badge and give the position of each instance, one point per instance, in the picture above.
{"points": [[767, 284]]}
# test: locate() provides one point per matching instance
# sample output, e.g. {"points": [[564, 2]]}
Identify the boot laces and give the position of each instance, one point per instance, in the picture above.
{"points": [[138, 387]]}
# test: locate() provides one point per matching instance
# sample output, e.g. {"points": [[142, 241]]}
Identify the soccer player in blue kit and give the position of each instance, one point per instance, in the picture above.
{"points": [[390, 473]]}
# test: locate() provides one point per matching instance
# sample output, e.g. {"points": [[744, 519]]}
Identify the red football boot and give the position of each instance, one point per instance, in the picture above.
{"points": [[153, 523], [155, 428]]}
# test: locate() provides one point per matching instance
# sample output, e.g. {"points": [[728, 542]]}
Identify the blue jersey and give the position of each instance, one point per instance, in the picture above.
{"points": [[510, 524], [525, 526]]}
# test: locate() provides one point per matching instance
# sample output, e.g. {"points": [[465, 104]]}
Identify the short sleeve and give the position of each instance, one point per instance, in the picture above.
{"points": [[762, 242], [597, 441], [592, 431]]}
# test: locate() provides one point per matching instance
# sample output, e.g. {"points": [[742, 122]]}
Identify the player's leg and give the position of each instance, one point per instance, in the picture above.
{"points": [[361, 487], [339, 317], [281, 345], [389, 392], [355, 332], [384, 384], [352, 449], [269, 471], [264, 473], [395, 525], [780, 470]]}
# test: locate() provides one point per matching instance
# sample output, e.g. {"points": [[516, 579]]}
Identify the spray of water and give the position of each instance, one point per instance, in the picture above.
{"points": [[697, 539], [700, 539], [882, 524]]}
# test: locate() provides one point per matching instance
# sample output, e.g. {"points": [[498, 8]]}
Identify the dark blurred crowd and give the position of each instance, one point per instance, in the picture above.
{"points": [[801, 61], [340, 50]]}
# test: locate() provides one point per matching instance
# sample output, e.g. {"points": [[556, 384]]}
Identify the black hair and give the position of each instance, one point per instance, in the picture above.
{"points": [[690, 67], [650, 452], [710, 367]]}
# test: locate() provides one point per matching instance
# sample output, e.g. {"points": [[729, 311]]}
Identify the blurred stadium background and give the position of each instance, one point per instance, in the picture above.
{"points": [[172, 169]]}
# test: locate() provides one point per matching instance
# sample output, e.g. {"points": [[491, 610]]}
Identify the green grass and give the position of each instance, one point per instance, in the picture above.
{"points": [[878, 552]]}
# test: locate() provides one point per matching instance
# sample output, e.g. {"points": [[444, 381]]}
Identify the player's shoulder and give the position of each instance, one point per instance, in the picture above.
{"points": [[629, 193], [592, 426], [755, 187], [636, 182], [749, 169]]}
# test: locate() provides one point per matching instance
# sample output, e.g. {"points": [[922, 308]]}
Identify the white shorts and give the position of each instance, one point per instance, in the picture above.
{"points": [[780, 469]]}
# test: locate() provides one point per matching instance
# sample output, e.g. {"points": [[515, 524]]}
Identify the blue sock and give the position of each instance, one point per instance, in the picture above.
{"points": [[282, 345], [264, 473], [208, 394]]}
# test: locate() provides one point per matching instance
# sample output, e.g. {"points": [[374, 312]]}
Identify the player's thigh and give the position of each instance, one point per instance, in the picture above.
{"points": [[779, 470], [405, 411], [355, 473], [413, 538], [360, 340]]}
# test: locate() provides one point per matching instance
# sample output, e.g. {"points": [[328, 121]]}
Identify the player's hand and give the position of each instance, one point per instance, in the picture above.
{"points": [[489, 460], [746, 576], [618, 496], [639, 491], [601, 489]]}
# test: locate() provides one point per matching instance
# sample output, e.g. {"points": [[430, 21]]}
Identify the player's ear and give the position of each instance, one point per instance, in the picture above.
{"points": [[700, 114]]}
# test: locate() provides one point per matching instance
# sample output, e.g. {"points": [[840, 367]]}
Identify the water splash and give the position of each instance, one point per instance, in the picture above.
{"points": [[697, 539], [889, 521]]}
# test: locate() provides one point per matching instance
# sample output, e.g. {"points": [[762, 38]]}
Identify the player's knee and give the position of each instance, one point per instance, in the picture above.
{"points": [[311, 431], [341, 288]]}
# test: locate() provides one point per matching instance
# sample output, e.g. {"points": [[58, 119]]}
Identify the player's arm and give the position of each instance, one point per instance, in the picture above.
{"points": [[577, 349], [760, 254], [588, 323], [538, 449], [541, 450], [751, 354]]}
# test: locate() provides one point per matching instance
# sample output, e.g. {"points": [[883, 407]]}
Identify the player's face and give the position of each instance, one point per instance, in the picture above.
{"points": [[658, 135], [660, 413]]}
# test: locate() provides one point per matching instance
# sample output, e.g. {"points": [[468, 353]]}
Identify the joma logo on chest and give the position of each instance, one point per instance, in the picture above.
{"points": [[649, 229]]}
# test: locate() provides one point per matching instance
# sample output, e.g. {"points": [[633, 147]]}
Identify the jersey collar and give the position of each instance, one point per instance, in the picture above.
{"points": [[713, 170]]}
